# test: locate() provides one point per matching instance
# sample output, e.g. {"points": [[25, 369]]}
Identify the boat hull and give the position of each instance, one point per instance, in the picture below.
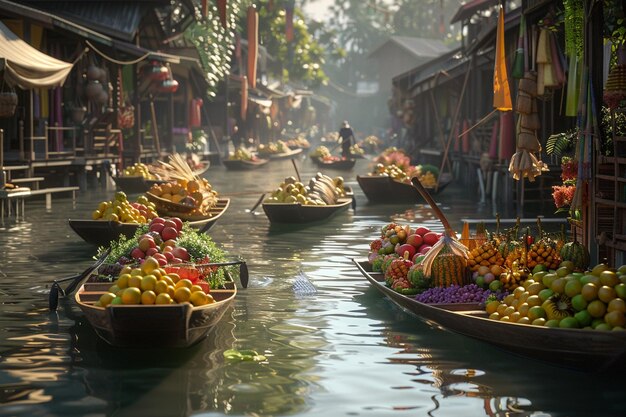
{"points": [[241, 165], [135, 184], [340, 165], [102, 232], [298, 213], [384, 189], [582, 349], [162, 326]]}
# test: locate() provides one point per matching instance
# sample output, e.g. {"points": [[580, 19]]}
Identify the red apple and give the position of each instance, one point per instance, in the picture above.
{"points": [[415, 240], [157, 220], [400, 249], [431, 238], [137, 253], [424, 249], [146, 243], [169, 223], [180, 252], [179, 223], [169, 233], [156, 227], [422, 230], [151, 251], [169, 255]]}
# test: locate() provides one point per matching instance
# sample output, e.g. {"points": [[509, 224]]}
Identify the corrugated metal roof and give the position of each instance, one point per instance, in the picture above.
{"points": [[117, 19], [420, 47]]}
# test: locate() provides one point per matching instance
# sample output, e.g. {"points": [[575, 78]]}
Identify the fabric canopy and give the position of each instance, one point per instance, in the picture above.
{"points": [[28, 67]]}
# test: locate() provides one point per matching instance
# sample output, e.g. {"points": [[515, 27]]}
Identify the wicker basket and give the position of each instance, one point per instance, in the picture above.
{"points": [[164, 205], [528, 84], [8, 103], [524, 103]]}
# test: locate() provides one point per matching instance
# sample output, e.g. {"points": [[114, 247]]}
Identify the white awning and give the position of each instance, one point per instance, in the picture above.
{"points": [[28, 67]]}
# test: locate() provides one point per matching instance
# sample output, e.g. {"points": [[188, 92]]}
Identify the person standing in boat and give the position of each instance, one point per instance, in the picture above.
{"points": [[347, 138]]}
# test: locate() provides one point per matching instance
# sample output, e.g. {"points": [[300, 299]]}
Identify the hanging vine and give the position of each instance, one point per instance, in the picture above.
{"points": [[574, 20]]}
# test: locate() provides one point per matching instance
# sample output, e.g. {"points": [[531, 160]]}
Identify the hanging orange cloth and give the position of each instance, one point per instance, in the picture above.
{"points": [[501, 89], [253, 44]]}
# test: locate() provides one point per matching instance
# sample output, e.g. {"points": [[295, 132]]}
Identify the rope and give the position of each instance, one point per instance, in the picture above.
{"points": [[115, 61]]}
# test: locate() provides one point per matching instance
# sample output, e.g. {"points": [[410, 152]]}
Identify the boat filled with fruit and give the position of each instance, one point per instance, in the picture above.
{"points": [[535, 295], [277, 150], [323, 158], [390, 181], [193, 200], [114, 218], [185, 195], [242, 159], [294, 202], [167, 286], [139, 177]]}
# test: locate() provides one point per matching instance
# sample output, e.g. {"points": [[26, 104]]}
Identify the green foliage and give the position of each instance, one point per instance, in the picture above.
{"points": [[559, 143], [215, 44], [301, 59], [574, 19]]}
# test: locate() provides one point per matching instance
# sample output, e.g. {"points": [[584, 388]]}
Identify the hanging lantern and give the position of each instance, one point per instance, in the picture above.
{"points": [[156, 72], [253, 44], [168, 86]]}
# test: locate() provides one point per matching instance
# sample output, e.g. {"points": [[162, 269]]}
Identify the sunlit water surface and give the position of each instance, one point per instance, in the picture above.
{"points": [[334, 347]]}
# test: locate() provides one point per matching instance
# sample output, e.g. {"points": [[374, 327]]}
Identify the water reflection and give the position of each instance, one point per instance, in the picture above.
{"points": [[334, 347]]}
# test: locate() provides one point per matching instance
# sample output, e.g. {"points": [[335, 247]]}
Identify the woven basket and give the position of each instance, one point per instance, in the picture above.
{"points": [[524, 103], [530, 121], [8, 103], [163, 205], [528, 84]]}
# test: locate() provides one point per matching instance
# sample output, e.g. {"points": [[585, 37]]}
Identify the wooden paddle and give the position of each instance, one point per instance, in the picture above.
{"points": [[56, 290], [243, 270], [446, 224]]}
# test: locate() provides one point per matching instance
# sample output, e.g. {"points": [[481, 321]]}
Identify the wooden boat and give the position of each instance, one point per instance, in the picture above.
{"points": [[135, 184], [382, 189], [290, 154], [241, 165], [203, 223], [102, 232], [340, 164], [162, 326], [299, 213], [574, 348]]}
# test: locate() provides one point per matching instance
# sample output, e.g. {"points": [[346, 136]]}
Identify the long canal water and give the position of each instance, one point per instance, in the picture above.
{"points": [[333, 346]]}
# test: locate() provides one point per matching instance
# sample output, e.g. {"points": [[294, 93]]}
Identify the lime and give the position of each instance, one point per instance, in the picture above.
{"points": [[548, 279], [562, 271], [536, 312], [545, 294], [117, 301], [495, 285], [572, 288], [569, 323], [579, 303], [552, 323], [539, 268], [583, 317]]}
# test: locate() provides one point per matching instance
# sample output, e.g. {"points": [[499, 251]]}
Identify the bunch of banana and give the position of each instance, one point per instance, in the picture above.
{"points": [[327, 188]]}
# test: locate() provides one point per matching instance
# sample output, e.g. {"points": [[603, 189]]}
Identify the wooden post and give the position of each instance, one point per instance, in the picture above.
{"points": [[155, 127]]}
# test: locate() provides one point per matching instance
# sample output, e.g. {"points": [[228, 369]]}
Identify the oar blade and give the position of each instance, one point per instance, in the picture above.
{"points": [[243, 274]]}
